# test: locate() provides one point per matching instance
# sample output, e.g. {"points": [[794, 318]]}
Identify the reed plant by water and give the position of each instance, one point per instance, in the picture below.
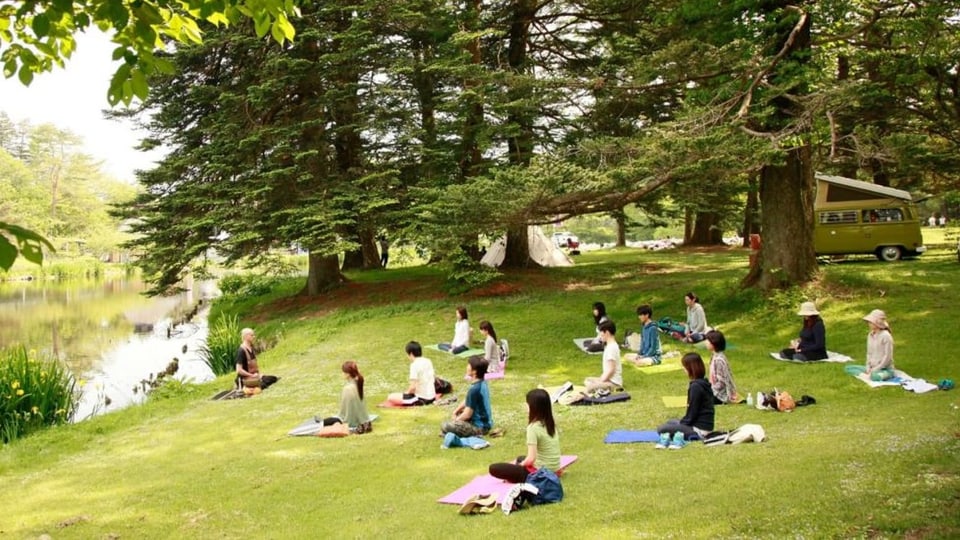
{"points": [[220, 351], [34, 393]]}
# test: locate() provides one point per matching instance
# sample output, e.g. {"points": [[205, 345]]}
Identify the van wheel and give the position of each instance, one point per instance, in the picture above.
{"points": [[889, 253]]}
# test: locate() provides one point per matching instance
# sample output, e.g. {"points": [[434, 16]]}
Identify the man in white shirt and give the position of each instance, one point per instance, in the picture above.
{"points": [[612, 376], [421, 390]]}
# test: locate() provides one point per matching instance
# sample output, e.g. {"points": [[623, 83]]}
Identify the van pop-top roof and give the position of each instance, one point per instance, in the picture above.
{"points": [[842, 189]]}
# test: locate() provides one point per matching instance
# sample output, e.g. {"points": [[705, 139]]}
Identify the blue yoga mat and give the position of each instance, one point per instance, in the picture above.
{"points": [[629, 436]]}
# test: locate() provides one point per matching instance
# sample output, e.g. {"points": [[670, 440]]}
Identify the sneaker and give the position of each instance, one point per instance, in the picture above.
{"points": [[507, 505], [663, 442], [480, 445], [678, 441]]}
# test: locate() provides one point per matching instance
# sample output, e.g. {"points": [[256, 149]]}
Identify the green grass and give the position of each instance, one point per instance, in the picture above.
{"points": [[862, 462]]}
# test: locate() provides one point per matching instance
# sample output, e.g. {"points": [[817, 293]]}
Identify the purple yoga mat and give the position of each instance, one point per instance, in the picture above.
{"points": [[486, 485]]}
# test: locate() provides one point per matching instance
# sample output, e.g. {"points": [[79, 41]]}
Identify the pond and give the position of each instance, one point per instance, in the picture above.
{"points": [[111, 336]]}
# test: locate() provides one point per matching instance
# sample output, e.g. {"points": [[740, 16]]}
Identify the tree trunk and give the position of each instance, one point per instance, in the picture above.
{"points": [[706, 230], [787, 255], [751, 213], [517, 253], [621, 218], [323, 274], [520, 118], [365, 257]]}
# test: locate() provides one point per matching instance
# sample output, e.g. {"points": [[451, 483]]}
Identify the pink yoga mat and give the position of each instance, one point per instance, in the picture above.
{"points": [[486, 484]]}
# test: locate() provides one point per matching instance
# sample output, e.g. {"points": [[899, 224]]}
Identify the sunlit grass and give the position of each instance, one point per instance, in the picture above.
{"points": [[862, 462]]}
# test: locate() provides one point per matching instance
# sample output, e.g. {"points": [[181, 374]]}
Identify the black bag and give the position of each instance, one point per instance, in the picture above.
{"points": [[441, 386]]}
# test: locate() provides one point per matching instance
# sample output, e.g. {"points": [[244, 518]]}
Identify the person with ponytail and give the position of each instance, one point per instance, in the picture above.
{"points": [[543, 442], [353, 411], [491, 347]]}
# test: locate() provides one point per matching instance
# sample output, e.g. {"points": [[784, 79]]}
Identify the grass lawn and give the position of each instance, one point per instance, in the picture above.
{"points": [[862, 462]]}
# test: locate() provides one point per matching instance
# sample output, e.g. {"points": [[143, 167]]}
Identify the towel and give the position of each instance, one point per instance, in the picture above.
{"points": [[899, 378]]}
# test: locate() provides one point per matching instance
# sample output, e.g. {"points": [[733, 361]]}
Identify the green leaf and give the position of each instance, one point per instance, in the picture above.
{"points": [[276, 33], [40, 25], [8, 253], [118, 53], [139, 84], [63, 6], [31, 251], [261, 23], [26, 75], [284, 24]]}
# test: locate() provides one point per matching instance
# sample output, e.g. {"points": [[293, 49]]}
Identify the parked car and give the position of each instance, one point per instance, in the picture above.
{"points": [[568, 241]]}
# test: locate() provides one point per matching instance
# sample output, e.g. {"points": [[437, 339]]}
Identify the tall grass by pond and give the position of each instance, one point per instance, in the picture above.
{"points": [[220, 352], [34, 393]]}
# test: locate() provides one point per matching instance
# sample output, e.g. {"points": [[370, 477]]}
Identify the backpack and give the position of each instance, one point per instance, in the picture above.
{"points": [[549, 489], [504, 351], [667, 325], [441, 386]]}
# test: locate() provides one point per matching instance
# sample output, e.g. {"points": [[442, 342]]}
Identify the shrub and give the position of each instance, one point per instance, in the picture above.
{"points": [[246, 285], [220, 351], [34, 393]]}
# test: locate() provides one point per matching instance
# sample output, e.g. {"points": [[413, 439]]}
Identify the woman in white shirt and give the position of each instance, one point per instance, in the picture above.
{"points": [[461, 334]]}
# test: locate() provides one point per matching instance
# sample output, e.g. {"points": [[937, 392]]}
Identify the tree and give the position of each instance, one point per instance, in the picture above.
{"points": [[38, 35]]}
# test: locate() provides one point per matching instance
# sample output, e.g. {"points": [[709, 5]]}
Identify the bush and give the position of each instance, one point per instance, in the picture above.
{"points": [[34, 393], [246, 285], [220, 351]]}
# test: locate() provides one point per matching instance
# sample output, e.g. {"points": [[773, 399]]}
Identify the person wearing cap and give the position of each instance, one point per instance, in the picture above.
{"points": [[879, 349], [812, 343]]}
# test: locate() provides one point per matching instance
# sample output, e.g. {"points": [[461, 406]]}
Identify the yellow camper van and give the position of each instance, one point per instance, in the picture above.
{"points": [[859, 217]]}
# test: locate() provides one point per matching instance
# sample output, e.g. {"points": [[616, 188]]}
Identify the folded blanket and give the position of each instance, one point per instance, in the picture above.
{"points": [[831, 357]]}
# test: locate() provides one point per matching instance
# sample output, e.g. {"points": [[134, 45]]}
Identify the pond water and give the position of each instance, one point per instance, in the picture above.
{"points": [[110, 335]]}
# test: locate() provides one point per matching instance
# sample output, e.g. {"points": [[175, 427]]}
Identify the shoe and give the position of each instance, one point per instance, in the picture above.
{"points": [[480, 445], [663, 442], [507, 504], [677, 442]]}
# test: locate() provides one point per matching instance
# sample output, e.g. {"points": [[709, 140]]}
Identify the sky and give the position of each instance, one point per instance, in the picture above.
{"points": [[73, 98]]}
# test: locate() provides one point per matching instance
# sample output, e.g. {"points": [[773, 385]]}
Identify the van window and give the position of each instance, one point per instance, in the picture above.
{"points": [[882, 215], [841, 216]]}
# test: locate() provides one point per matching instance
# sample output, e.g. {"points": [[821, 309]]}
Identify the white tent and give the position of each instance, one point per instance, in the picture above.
{"points": [[542, 250]]}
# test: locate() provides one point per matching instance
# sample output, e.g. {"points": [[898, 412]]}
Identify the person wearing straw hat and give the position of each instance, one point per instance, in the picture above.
{"points": [[879, 349], [812, 344]]}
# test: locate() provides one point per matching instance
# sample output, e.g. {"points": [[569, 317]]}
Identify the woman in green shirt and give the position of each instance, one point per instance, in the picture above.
{"points": [[543, 442], [353, 411]]}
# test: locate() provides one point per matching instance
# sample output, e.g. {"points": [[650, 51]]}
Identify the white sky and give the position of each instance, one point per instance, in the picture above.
{"points": [[73, 98]]}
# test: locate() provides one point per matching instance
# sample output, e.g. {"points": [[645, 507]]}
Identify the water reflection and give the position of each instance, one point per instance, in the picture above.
{"points": [[90, 326]]}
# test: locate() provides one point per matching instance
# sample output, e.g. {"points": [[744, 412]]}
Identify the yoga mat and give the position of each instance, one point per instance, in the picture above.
{"points": [[831, 357], [579, 342], [486, 484], [612, 398], [310, 426], [899, 378], [495, 375], [629, 436], [228, 394], [674, 402], [465, 354], [667, 365]]}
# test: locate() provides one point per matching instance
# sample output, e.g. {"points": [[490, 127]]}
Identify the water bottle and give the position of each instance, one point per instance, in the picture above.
{"points": [[749, 399]]}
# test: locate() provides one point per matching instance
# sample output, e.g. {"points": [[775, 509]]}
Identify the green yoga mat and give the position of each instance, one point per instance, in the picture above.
{"points": [[669, 364], [674, 402], [465, 354]]}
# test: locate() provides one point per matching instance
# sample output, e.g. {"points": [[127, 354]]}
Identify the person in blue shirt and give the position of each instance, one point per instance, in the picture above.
{"points": [[474, 416], [650, 353]]}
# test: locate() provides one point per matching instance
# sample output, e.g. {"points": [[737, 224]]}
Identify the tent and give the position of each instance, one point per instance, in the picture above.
{"points": [[542, 250]]}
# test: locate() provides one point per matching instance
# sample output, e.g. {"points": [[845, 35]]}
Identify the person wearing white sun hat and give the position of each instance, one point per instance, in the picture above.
{"points": [[879, 349], [812, 343]]}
